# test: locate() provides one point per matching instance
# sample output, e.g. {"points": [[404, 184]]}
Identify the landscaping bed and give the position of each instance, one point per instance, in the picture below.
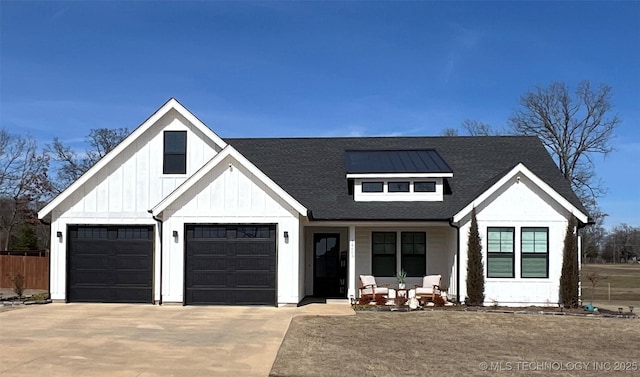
{"points": [[545, 310], [15, 301]]}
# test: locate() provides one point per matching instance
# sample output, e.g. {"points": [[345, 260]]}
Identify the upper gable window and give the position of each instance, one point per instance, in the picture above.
{"points": [[175, 152], [372, 186]]}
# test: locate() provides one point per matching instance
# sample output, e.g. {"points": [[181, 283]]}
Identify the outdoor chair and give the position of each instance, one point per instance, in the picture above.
{"points": [[370, 290], [429, 289]]}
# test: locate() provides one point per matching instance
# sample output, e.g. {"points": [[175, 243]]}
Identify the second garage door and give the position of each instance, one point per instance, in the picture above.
{"points": [[230, 264]]}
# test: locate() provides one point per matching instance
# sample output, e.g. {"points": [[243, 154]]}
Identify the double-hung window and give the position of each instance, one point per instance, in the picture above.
{"points": [[500, 252], [383, 248], [535, 252], [175, 152], [414, 253]]}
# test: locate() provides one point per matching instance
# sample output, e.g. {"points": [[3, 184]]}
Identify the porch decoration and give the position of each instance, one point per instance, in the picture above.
{"points": [[402, 279]]}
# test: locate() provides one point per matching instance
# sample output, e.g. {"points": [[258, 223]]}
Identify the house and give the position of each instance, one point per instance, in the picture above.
{"points": [[176, 214]]}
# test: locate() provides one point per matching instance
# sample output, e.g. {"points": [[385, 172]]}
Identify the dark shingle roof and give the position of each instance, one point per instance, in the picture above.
{"points": [[395, 161], [313, 171]]}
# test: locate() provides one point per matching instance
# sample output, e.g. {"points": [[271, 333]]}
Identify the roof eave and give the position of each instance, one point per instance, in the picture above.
{"points": [[521, 168], [213, 162]]}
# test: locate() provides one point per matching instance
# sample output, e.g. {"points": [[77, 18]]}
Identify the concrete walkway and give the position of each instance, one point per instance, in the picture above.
{"points": [[146, 340]]}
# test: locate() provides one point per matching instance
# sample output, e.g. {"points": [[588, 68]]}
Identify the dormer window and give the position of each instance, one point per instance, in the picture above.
{"points": [[429, 186], [397, 175], [398, 186], [175, 152], [372, 186]]}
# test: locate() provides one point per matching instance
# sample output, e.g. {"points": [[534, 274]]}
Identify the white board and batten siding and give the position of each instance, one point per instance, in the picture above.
{"points": [[230, 194], [440, 258], [124, 190], [524, 204]]}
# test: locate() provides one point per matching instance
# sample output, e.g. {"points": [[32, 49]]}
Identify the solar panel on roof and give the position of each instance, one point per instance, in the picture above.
{"points": [[395, 161]]}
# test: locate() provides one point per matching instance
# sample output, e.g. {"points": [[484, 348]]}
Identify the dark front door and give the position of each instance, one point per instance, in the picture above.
{"points": [[330, 266]]}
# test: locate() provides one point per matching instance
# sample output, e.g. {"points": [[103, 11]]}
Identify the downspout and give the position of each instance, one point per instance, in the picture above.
{"points": [[579, 226], [457, 227], [161, 240]]}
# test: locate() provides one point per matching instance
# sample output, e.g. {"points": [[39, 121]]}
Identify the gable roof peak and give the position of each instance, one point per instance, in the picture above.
{"points": [[170, 104]]}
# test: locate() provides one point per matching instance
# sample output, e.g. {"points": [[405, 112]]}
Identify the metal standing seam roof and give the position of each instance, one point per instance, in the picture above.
{"points": [[395, 161], [313, 171]]}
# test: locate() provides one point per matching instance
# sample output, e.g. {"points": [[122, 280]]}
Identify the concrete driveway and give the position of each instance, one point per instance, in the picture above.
{"points": [[145, 340]]}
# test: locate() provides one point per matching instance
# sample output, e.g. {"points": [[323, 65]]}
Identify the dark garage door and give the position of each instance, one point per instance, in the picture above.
{"points": [[110, 264], [230, 264]]}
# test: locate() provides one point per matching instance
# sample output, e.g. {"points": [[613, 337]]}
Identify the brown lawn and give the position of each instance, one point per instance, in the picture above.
{"points": [[450, 343]]}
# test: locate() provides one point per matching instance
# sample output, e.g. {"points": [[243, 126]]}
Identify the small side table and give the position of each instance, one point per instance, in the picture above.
{"points": [[402, 295]]}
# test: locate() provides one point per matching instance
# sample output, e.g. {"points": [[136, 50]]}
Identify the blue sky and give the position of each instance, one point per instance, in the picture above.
{"points": [[252, 69]]}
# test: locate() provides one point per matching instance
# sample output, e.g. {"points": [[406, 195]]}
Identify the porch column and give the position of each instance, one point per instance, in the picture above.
{"points": [[351, 291]]}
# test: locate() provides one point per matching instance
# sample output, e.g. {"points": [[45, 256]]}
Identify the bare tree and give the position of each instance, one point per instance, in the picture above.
{"points": [[73, 164], [477, 128], [449, 132], [623, 243], [593, 240], [573, 128], [23, 182]]}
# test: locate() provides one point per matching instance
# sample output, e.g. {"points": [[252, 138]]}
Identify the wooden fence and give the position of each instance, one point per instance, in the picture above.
{"points": [[33, 265]]}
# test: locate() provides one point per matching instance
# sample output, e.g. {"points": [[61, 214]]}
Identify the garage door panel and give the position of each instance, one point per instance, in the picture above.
{"points": [[110, 264], [90, 278], [132, 263], [91, 262], [255, 249], [130, 294], [231, 297], [253, 280], [90, 293], [131, 278], [207, 263], [140, 250], [206, 248], [208, 279], [253, 264], [91, 247], [223, 269]]}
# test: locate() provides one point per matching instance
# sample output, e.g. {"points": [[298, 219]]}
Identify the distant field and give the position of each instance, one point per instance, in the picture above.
{"points": [[623, 278]]}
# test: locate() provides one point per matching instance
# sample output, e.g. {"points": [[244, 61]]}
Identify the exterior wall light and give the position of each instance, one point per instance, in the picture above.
{"points": [[286, 236]]}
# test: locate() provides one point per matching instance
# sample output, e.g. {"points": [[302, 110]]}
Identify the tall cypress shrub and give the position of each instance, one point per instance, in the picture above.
{"points": [[475, 268], [569, 279]]}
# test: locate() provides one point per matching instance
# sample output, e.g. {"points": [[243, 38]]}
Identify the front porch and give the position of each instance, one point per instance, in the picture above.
{"points": [[334, 255]]}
